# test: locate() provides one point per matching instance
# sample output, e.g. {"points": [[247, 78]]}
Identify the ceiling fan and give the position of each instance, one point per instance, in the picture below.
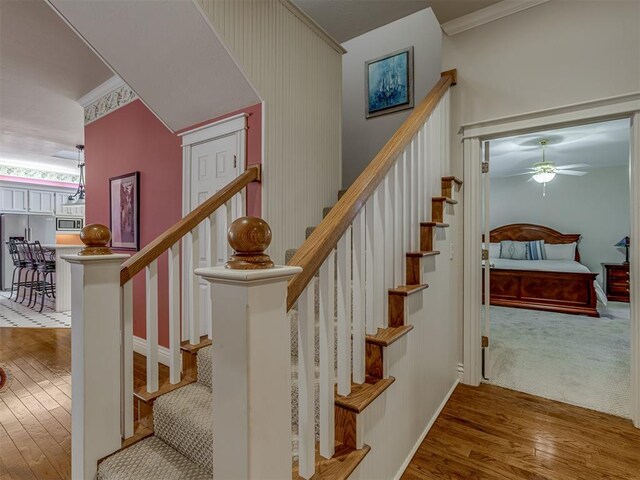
{"points": [[545, 171]]}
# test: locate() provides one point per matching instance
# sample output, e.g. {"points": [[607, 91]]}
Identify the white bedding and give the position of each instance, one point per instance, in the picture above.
{"points": [[547, 266]]}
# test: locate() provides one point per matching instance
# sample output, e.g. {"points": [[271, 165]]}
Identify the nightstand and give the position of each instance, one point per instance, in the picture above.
{"points": [[616, 281]]}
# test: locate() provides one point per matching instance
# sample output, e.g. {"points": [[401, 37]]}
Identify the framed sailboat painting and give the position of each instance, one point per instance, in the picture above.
{"points": [[389, 83]]}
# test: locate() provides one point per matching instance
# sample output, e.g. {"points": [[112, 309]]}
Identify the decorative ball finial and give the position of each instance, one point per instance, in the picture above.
{"points": [[96, 238], [249, 237]]}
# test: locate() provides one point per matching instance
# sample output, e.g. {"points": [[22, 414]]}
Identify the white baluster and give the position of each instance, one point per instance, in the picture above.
{"points": [[358, 298], [406, 199], [389, 196], [414, 226], [174, 314], [425, 178], [370, 320], [378, 297], [212, 235], [152, 326], [229, 220], [306, 377], [344, 313], [194, 287], [420, 168], [327, 356], [398, 250], [127, 359]]}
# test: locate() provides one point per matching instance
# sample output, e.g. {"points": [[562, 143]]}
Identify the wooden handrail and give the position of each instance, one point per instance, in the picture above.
{"points": [[173, 234], [324, 238]]}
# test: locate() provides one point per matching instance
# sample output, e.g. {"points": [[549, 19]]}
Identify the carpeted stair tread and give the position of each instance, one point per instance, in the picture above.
{"points": [[184, 420], [150, 459]]}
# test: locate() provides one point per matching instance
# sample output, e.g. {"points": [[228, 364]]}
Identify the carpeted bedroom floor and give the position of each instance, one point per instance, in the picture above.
{"points": [[579, 360]]}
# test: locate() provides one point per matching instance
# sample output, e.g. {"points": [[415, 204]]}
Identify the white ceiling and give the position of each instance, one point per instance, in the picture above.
{"points": [[598, 144], [346, 19], [45, 68], [167, 53]]}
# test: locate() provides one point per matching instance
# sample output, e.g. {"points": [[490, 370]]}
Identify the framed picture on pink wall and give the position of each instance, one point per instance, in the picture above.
{"points": [[124, 204]]}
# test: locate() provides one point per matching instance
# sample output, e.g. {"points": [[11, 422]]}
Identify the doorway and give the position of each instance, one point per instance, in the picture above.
{"points": [[556, 209], [626, 106], [213, 156]]}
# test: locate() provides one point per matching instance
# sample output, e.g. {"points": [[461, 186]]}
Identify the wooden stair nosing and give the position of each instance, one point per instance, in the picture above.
{"points": [[406, 290], [434, 224], [453, 179], [388, 336], [339, 467], [421, 253], [142, 394], [188, 347], [362, 395], [448, 200]]}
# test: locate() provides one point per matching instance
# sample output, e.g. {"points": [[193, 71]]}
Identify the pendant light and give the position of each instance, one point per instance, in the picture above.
{"points": [[78, 197]]}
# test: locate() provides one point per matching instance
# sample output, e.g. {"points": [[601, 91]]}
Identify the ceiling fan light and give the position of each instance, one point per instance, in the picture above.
{"points": [[544, 177]]}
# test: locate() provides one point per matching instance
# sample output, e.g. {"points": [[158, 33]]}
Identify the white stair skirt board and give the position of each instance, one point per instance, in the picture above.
{"points": [[140, 346], [13, 314], [575, 359]]}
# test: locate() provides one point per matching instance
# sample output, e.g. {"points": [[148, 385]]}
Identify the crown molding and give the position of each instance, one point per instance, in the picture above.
{"points": [[487, 15], [313, 25], [100, 91]]}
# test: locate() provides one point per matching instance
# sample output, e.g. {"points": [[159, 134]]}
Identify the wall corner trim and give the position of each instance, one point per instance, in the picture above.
{"points": [[487, 15], [140, 346], [313, 25], [422, 436]]}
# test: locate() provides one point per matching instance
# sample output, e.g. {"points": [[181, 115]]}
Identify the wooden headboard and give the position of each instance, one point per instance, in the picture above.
{"points": [[526, 232]]}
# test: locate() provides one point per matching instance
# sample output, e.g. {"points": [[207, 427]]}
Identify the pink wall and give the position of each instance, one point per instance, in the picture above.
{"points": [[133, 139]]}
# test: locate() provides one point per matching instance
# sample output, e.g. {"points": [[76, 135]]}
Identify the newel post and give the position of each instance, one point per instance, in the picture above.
{"points": [[251, 358], [95, 352]]}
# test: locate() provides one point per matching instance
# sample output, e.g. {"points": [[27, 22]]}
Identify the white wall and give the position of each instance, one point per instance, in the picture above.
{"points": [[362, 138], [554, 54], [595, 205], [298, 74]]}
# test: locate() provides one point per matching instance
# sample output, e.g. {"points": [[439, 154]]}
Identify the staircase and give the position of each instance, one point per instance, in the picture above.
{"points": [[348, 303]]}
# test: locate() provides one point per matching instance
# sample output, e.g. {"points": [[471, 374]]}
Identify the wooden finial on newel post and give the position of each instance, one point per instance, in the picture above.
{"points": [[249, 237], [96, 238]]}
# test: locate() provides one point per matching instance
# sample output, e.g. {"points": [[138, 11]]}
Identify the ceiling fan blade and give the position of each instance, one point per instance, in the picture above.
{"points": [[518, 174], [575, 165], [575, 173]]}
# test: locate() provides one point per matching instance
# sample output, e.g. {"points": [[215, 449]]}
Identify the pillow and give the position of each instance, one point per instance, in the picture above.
{"points": [[513, 250], [494, 250], [535, 250], [560, 251]]}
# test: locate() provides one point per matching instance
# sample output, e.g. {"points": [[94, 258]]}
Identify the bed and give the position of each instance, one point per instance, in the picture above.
{"points": [[564, 286]]}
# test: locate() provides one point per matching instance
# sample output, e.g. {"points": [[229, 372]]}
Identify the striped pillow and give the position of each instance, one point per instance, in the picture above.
{"points": [[536, 251]]}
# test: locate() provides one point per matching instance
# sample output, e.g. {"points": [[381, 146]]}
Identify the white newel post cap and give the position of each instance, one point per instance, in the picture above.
{"points": [[228, 276]]}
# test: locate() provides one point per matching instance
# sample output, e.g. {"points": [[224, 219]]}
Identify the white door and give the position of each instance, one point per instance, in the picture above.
{"points": [[213, 165]]}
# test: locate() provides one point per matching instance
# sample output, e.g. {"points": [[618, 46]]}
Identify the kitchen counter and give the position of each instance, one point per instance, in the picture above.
{"points": [[63, 274]]}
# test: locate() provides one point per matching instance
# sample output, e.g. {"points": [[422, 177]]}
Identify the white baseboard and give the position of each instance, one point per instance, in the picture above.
{"points": [[460, 372], [406, 462], [140, 346]]}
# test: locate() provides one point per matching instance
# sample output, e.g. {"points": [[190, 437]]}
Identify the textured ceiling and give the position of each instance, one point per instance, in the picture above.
{"points": [[45, 68], [599, 144], [346, 19]]}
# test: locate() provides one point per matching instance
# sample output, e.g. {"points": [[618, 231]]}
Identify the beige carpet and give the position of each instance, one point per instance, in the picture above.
{"points": [[579, 360]]}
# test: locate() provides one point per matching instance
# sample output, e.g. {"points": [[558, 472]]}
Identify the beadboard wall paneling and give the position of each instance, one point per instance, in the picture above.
{"points": [[299, 77]]}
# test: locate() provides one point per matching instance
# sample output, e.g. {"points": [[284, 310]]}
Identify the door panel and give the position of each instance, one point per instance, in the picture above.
{"points": [[213, 165]]}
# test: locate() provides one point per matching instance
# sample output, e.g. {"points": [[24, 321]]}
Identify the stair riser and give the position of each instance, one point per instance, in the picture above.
{"points": [[426, 238], [414, 270], [437, 211], [374, 361], [346, 423], [396, 310], [447, 188]]}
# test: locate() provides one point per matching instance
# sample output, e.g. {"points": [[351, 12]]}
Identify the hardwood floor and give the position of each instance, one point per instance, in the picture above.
{"points": [[494, 433], [35, 409], [483, 433]]}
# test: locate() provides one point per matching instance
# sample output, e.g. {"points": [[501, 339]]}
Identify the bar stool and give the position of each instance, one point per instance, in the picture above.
{"points": [[18, 266], [45, 270], [27, 259]]}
